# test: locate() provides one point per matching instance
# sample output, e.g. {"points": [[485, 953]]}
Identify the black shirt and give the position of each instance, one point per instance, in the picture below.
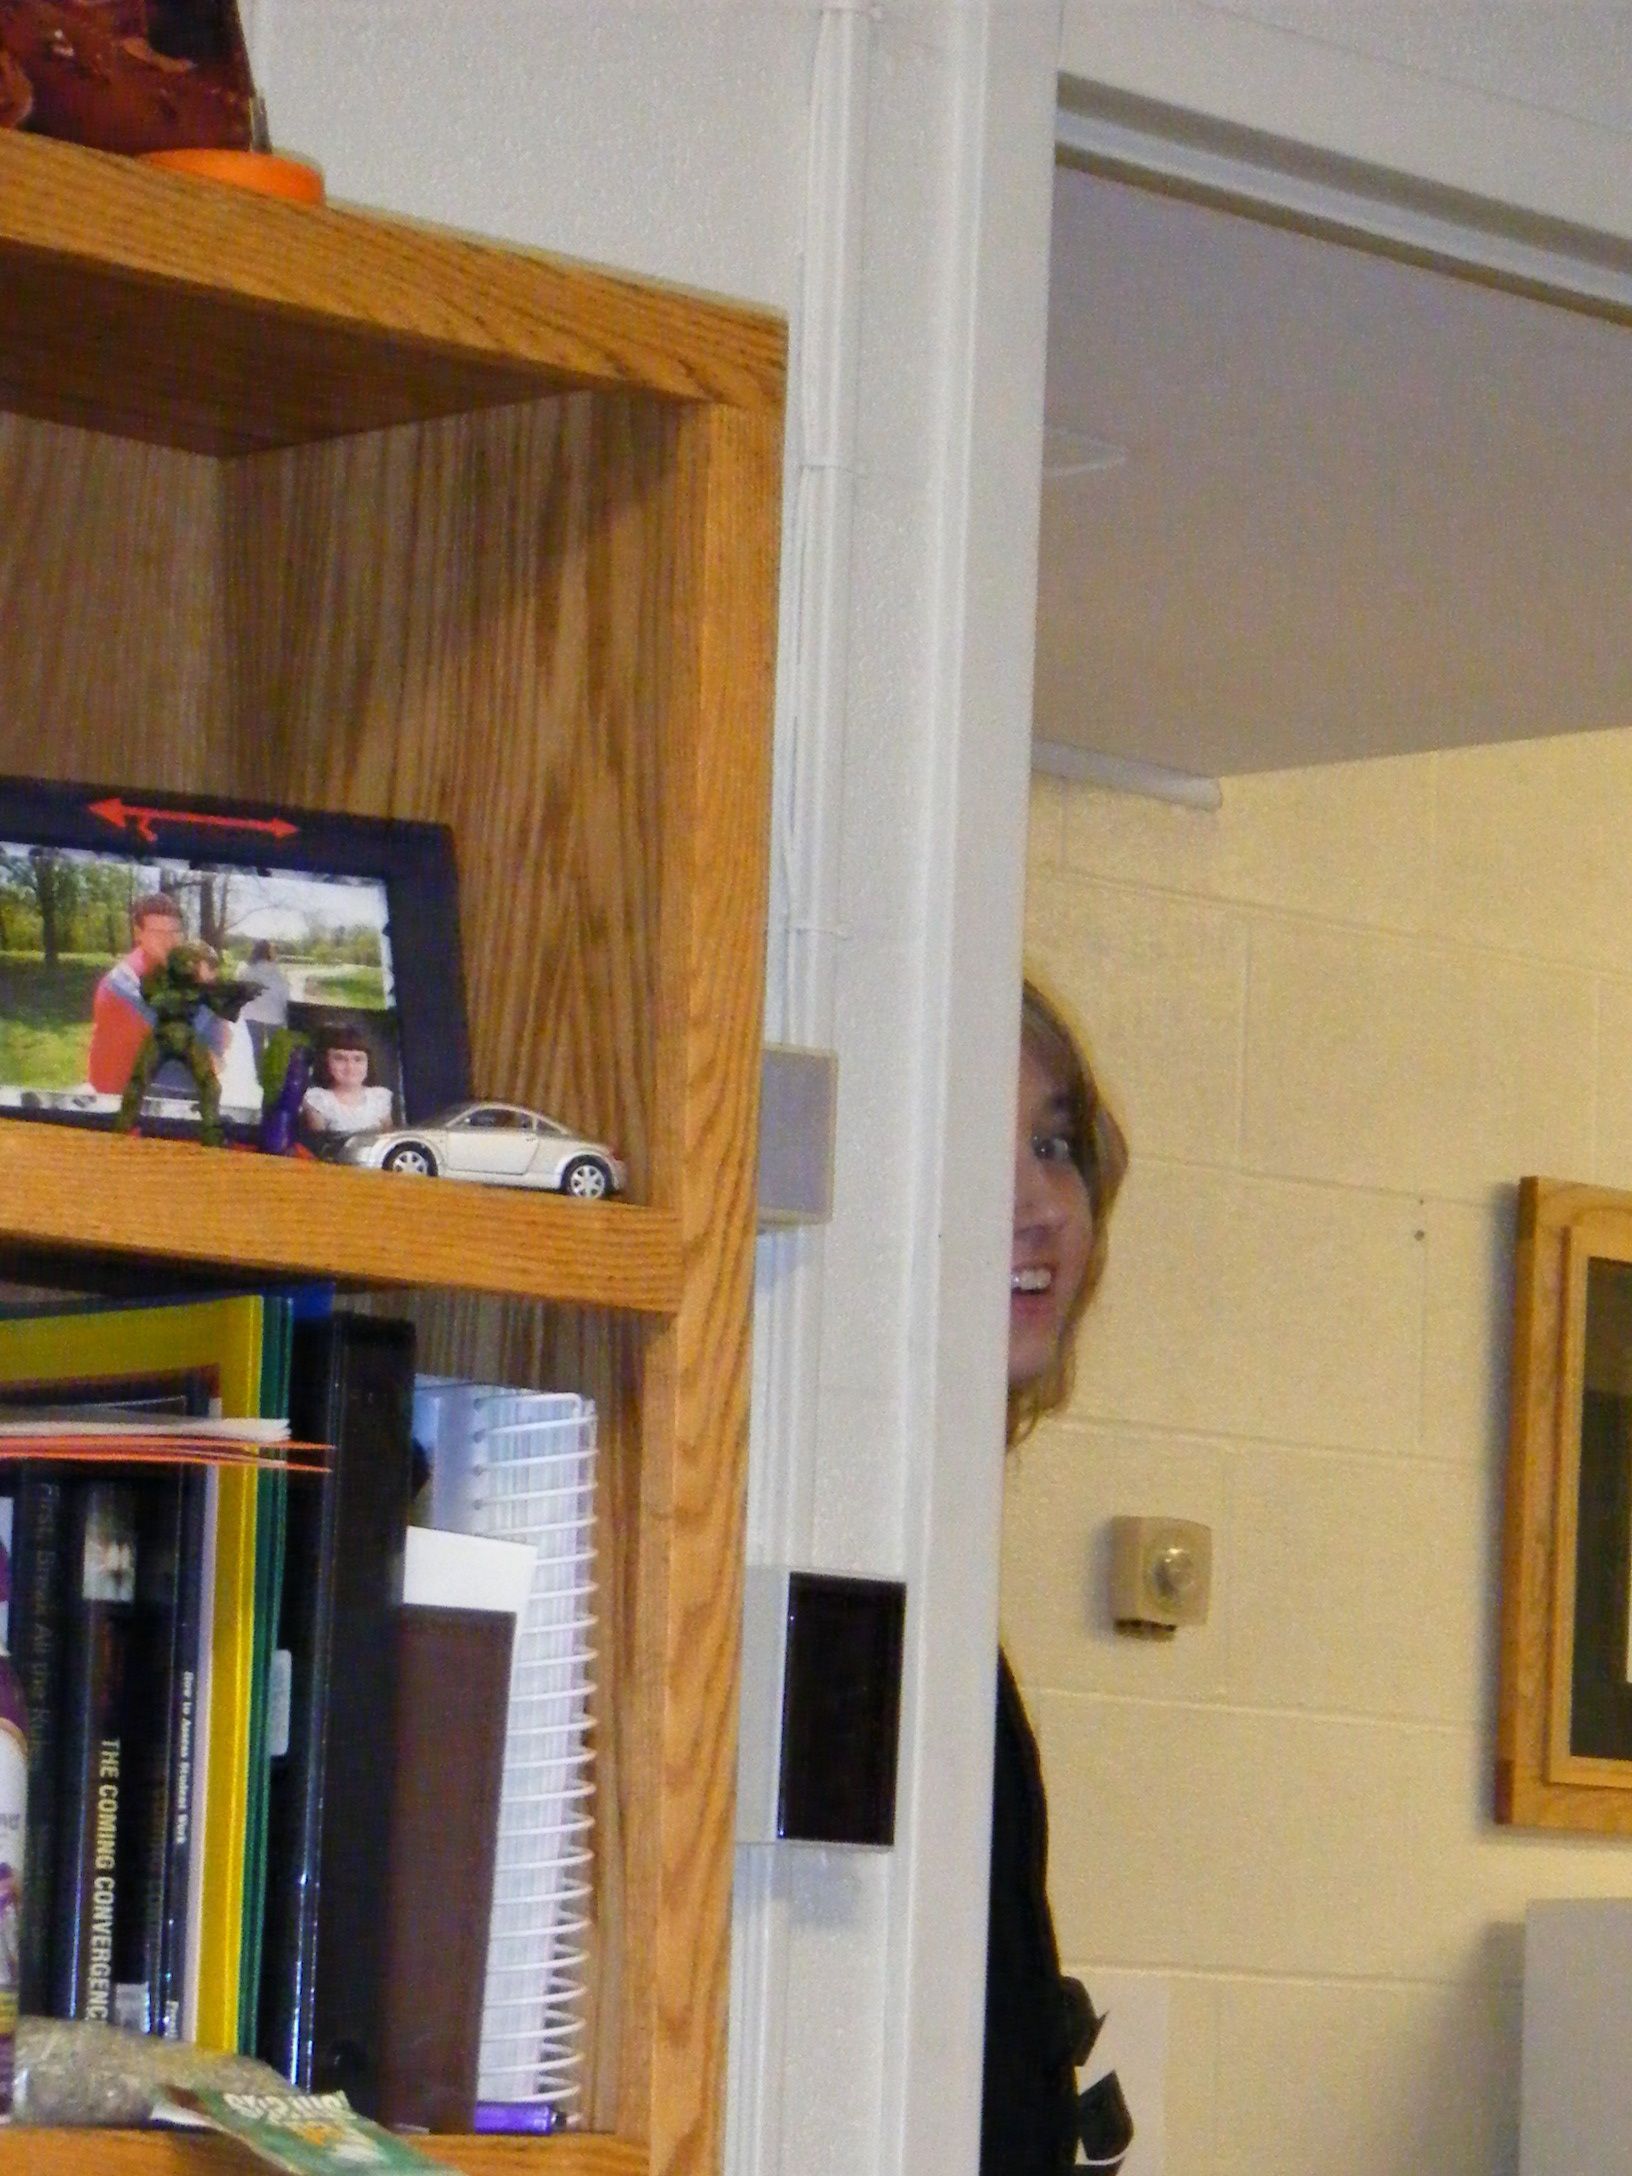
{"points": [[1039, 2025]]}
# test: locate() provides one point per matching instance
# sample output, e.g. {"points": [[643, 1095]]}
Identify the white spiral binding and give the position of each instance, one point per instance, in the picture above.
{"points": [[532, 1479]]}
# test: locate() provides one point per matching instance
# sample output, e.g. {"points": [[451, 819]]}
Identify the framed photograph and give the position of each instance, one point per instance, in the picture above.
{"points": [[1564, 1738], [343, 929]]}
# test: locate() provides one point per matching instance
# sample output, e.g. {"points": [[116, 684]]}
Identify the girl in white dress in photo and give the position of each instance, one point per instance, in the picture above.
{"points": [[342, 1099]]}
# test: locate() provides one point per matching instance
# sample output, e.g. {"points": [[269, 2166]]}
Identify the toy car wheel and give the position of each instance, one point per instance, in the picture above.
{"points": [[412, 1157], [586, 1178]]}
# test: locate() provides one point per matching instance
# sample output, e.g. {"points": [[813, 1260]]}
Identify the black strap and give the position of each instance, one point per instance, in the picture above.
{"points": [[1106, 2127]]}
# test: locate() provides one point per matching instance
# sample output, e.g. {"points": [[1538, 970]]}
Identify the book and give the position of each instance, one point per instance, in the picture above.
{"points": [[270, 1535], [322, 1981], [143, 1857], [75, 1354], [39, 1543], [34, 1420], [185, 1680], [94, 1747], [462, 1597], [454, 1684]]}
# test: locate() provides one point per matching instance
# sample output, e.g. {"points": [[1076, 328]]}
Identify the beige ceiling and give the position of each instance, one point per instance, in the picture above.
{"points": [[1304, 502]]}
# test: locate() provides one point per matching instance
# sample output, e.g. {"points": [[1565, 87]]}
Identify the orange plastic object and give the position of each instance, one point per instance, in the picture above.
{"points": [[272, 173]]}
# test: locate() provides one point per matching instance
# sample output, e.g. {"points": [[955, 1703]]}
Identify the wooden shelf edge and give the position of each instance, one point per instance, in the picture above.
{"points": [[25, 2151], [388, 278], [65, 1188]]}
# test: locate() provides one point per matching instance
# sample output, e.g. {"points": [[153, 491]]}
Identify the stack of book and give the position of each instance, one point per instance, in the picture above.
{"points": [[230, 1705]]}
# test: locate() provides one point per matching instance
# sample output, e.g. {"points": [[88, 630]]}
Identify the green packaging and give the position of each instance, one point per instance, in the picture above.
{"points": [[305, 2134]]}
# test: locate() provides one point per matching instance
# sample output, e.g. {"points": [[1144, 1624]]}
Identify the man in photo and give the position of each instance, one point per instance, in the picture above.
{"points": [[121, 1018]]}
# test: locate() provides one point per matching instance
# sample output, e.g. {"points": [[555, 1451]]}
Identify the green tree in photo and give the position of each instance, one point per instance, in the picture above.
{"points": [[56, 890], [101, 923], [16, 905]]}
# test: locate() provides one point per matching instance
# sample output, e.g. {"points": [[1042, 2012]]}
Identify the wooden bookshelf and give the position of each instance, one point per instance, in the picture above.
{"points": [[174, 2153], [314, 507], [103, 1194]]}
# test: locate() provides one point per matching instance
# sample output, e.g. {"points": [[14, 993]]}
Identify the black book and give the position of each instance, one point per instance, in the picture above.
{"points": [[162, 1687], [175, 1879], [94, 1758], [38, 1594], [323, 1969], [140, 1870]]}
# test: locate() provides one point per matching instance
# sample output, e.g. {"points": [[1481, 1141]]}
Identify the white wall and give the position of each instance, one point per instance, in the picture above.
{"points": [[881, 173], [1341, 1017], [666, 139]]}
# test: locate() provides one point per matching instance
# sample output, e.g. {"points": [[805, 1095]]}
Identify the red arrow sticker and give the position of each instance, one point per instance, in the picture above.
{"points": [[126, 816]]}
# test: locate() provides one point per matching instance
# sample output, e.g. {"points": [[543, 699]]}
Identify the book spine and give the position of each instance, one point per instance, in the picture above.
{"points": [[13, 1818], [143, 1855], [39, 1592], [352, 1387], [295, 1794], [102, 1581], [182, 1745]]}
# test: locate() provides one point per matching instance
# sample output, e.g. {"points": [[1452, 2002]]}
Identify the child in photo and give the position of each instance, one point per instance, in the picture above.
{"points": [[343, 1097]]}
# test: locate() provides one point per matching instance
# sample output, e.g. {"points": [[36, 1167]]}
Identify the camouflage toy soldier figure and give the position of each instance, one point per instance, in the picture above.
{"points": [[175, 992]]}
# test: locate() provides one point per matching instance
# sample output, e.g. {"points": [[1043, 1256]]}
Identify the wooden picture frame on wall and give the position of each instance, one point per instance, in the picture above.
{"points": [[1564, 1726]]}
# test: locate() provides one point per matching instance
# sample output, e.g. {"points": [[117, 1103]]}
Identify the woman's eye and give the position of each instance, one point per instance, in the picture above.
{"points": [[1051, 1148]]}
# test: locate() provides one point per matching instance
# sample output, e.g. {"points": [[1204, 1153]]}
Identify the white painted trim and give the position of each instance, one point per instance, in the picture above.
{"points": [[1003, 57], [1337, 194], [982, 368]]}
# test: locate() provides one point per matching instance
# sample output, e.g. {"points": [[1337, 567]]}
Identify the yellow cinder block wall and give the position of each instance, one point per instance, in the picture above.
{"points": [[1340, 1017]]}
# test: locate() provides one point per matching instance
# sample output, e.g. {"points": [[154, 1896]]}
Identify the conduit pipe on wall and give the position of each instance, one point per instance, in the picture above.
{"points": [[805, 941], [1126, 774]]}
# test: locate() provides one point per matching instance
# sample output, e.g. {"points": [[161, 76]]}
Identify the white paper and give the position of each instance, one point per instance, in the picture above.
{"points": [[466, 1571], [1133, 2043]]}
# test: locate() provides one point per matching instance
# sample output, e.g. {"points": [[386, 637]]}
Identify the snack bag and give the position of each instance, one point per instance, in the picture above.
{"points": [[305, 2134]]}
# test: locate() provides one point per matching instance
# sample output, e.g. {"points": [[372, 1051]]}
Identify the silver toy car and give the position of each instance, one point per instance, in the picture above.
{"points": [[497, 1144]]}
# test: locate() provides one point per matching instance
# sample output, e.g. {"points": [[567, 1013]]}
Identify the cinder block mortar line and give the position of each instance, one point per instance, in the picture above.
{"points": [[1428, 940], [1424, 1194], [1224, 1440], [1264, 1711], [1247, 1976]]}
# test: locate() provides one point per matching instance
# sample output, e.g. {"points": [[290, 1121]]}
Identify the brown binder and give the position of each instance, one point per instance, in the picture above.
{"points": [[453, 1690]]}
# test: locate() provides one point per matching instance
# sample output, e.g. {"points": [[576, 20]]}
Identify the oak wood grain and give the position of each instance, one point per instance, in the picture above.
{"points": [[109, 602], [160, 307], [28, 2152], [66, 1188], [689, 1596], [470, 622]]}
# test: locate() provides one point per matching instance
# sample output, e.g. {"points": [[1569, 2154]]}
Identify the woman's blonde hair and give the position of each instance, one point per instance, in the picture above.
{"points": [[1099, 1150]]}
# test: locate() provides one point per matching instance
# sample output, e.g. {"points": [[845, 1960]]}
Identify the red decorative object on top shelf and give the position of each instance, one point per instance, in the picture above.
{"points": [[127, 75]]}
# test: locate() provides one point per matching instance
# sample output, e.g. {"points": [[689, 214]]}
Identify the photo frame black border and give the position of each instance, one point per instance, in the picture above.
{"points": [[414, 860]]}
